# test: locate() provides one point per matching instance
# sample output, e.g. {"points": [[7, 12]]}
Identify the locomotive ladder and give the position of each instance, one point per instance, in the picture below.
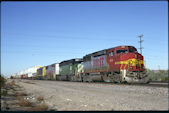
{"points": [[124, 65]]}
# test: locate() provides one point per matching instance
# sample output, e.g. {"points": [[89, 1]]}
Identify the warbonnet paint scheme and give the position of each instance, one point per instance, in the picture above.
{"points": [[119, 64]]}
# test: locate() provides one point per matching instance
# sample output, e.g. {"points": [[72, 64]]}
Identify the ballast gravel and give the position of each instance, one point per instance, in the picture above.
{"points": [[78, 96]]}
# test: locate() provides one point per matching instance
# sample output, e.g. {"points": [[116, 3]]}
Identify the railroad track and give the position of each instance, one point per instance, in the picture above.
{"points": [[151, 84], [158, 84]]}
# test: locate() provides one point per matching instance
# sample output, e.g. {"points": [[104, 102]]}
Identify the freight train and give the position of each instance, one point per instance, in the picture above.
{"points": [[121, 64]]}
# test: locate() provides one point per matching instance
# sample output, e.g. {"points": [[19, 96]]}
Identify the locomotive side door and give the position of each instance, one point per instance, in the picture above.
{"points": [[111, 58]]}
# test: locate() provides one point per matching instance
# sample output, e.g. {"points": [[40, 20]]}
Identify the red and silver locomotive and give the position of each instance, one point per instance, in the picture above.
{"points": [[119, 64]]}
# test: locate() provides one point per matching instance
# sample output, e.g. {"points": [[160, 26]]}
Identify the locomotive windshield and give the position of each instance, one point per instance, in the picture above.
{"points": [[132, 50], [121, 51]]}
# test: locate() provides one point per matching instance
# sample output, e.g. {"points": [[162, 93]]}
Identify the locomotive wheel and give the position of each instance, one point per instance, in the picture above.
{"points": [[111, 78], [115, 78], [84, 79], [106, 78]]}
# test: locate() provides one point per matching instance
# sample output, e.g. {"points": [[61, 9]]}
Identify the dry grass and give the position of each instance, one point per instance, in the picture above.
{"points": [[40, 98], [23, 102], [29, 82], [17, 86], [12, 83], [2, 81], [4, 92], [11, 87], [40, 107], [20, 94]]}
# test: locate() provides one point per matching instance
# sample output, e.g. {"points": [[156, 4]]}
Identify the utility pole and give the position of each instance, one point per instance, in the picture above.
{"points": [[140, 43], [158, 67]]}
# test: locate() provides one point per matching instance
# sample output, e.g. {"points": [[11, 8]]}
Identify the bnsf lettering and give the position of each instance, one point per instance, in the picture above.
{"points": [[98, 62]]}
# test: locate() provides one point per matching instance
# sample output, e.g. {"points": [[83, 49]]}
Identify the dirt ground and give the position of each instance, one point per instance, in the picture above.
{"points": [[78, 96]]}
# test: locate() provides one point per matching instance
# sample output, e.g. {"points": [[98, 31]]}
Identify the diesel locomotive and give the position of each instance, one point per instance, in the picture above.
{"points": [[118, 64]]}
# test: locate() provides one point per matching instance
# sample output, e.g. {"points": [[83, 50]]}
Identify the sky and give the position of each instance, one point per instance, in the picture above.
{"points": [[42, 33]]}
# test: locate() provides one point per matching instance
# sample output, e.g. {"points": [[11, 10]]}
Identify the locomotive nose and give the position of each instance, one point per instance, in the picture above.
{"points": [[135, 55], [138, 56]]}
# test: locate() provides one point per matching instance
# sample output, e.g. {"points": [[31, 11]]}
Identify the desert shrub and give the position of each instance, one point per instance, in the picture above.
{"points": [[165, 79], [2, 81], [29, 82], [20, 94], [23, 102], [40, 107], [17, 86], [12, 83], [4, 92], [160, 75], [40, 98]]}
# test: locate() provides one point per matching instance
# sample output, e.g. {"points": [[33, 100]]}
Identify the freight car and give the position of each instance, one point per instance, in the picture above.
{"points": [[29, 73], [41, 73], [118, 64], [24, 76]]}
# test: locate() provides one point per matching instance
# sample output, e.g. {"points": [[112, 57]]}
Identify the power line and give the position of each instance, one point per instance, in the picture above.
{"points": [[140, 43]]}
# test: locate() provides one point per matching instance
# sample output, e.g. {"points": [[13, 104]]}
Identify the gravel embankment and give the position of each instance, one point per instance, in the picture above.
{"points": [[61, 95]]}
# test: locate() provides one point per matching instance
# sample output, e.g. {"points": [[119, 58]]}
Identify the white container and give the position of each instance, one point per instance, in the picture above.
{"points": [[29, 71], [32, 70]]}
